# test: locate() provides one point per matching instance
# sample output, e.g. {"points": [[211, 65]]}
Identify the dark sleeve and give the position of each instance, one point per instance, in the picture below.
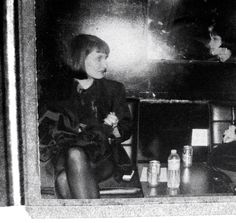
{"points": [[63, 109], [120, 107]]}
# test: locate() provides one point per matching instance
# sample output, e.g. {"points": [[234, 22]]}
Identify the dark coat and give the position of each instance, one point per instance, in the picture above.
{"points": [[109, 96]]}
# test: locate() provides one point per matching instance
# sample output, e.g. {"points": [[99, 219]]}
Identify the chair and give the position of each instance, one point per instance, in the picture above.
{"points": [[109, 188], [131, 144]]}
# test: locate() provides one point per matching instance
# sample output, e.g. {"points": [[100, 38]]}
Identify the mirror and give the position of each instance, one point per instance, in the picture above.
{"points": [[191, 30], [159, 48]]}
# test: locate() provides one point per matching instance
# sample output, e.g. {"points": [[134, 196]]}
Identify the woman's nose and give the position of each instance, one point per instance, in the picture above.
{"points": [[104, 64]]}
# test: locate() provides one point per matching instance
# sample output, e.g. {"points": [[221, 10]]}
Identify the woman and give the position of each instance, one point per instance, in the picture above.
{"points": [[219, 45], [95, 113]]}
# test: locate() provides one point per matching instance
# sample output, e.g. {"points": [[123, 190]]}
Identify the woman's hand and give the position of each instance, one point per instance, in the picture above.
{"points": [[224, 54], [230, 134], [111, 120]]}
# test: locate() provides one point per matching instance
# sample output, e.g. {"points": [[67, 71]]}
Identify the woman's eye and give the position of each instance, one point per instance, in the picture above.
{"points": [[99, 59]]}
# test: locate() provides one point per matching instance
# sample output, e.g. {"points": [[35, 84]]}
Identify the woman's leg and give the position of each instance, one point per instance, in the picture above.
{"points": [[98, 172], [61, 186], [102, 171], [80, 175]]}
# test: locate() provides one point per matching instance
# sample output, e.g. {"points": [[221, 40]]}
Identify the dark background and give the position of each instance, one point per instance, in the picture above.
{"points": [[182, 69]]}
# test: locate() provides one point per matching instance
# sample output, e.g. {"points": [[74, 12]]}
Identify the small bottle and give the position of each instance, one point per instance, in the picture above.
{"points": [[173, 174]]}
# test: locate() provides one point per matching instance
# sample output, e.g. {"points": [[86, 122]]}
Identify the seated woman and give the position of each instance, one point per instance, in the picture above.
{"points": [[223, 157], [95, 113]]}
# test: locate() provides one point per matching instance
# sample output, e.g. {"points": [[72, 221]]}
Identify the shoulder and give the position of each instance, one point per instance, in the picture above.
{"points": [[112, 84]]}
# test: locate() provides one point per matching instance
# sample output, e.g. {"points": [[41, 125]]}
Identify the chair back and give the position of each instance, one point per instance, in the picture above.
{"points": [[131, 144]]}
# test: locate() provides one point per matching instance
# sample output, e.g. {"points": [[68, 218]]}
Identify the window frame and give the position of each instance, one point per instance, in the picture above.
{"points": [[29, 147]]}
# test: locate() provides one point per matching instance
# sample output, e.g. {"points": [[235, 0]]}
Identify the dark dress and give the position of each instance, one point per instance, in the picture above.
{"points": [[86, 110]]}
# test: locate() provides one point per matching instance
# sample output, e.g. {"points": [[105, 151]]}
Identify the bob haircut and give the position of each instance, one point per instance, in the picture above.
{"points": [[82, 45], [226, 35]]}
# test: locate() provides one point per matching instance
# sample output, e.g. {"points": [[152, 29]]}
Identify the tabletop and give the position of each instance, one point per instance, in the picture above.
{"points": [[197, 180]]}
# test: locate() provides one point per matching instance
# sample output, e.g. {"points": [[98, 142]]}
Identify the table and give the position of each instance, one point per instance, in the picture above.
{"points": [[197, 180]]}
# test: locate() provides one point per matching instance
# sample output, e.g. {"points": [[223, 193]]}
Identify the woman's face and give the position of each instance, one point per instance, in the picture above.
{"points": [[215, 43], [96, 64]]}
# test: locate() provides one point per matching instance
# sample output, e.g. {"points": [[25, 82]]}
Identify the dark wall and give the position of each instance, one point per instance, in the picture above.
{"points": [[199, 80]]}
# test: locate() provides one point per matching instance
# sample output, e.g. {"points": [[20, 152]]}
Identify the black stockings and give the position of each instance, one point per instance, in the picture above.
{"points": [[79, 179]]}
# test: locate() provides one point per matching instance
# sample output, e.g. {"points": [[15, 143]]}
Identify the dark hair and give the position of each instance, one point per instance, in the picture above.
{"points": [[226, 34], [82, 45]]}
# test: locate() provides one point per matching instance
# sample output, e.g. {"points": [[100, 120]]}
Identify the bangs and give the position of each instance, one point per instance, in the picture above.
{"points": [[82, 45], [101, 46]]}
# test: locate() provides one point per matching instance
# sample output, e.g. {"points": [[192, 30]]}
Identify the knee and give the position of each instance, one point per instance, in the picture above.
{"points": [[61, 185], [61, 180], [76, 155]]}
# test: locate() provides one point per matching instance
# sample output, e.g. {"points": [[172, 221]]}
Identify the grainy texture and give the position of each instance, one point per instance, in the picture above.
{"points": [[3, 197], [3, 188], [38, 207], [3, 178], [133, 210], [196, 77]]}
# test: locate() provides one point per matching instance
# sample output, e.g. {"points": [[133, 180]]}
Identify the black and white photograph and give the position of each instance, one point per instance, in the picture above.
{"points": [[126, 108]]}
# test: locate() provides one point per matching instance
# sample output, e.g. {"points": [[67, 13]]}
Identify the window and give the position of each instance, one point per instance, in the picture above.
{"points": [[31, 74]]}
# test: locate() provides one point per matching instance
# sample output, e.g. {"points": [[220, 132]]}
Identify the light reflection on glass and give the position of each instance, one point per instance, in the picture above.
{"points": [[125, 38], [158, 49], [186, 175], [153, 192], [173, 191]]}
